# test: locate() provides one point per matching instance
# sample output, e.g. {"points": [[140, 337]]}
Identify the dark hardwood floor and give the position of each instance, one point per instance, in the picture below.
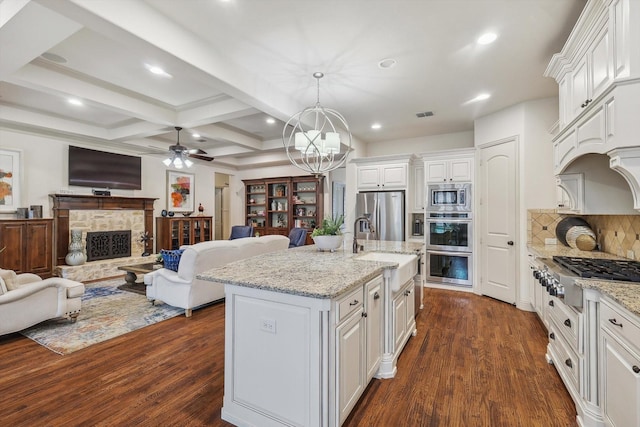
{"points": [[474, 362]]}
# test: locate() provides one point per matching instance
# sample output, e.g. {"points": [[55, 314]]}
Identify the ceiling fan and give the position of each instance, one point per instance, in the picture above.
{"points": [[179, 154]]}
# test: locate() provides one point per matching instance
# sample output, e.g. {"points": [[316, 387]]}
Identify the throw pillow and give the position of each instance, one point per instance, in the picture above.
{"points": [[3, 287], [10, 279], [171, 259]]}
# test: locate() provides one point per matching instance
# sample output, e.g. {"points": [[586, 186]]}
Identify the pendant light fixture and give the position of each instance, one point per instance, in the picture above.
{"points": [[311, 138]]}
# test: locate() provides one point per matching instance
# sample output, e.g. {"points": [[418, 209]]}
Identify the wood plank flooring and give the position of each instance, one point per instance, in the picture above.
{"points": [[474, 362]]}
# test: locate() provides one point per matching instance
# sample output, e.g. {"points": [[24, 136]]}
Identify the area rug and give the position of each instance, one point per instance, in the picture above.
{"points": [[107, 312]]}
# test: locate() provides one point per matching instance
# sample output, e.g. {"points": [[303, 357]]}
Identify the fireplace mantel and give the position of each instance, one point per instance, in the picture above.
{"points": [[63, 203]]}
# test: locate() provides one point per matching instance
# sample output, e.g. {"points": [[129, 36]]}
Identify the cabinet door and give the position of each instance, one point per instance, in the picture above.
{"points": [[411, 307], [460, 170], [418, 187], [394, 176], [350, 347], [620, 383], [368, 177], [399, 319], [565, 105], [601, 64], [373, 308], [436, 171], [579, 91], [13, 238], [38, 256]]}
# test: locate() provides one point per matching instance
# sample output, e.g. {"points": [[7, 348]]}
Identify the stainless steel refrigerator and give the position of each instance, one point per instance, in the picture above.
{"points": [[386, 210]]}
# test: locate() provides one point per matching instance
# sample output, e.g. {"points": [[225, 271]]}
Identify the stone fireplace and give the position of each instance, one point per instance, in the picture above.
{"points": [[98, 228], [108, 244]]}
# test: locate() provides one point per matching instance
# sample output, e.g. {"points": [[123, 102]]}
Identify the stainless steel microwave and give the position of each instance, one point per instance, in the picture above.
{"points": [[449, 197]]}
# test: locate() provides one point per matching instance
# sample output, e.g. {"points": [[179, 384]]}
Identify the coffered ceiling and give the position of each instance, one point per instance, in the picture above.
{"points": [[235, 63]]}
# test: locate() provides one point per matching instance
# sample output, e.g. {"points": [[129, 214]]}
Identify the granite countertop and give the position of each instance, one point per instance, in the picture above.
{"points": [[624, 293], [308, 272]]}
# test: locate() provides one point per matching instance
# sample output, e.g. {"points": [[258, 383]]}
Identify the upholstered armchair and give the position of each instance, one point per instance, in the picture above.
{"points": [[297, 237], [241, 231], [26, 299]]}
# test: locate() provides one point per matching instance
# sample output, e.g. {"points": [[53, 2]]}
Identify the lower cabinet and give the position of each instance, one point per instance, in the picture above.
{"points": [[404, 323], [29, 246], [374, 315], [620, 366]]}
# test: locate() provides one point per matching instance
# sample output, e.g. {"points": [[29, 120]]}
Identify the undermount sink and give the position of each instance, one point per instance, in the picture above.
{"points": [[407, 266]]}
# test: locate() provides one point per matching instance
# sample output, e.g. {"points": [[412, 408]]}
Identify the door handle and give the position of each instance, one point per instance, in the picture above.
{"points": [[510, 243]]}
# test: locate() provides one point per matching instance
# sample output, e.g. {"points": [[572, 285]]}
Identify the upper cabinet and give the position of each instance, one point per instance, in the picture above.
{"points": [[382, 177], [598, 75], [417, 186], [449, 170], [382, 173]]}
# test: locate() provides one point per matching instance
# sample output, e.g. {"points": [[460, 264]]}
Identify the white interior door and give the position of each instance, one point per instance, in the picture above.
{"points": [[498, 219]]}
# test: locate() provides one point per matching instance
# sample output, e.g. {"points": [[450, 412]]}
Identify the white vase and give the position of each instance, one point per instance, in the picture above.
{"points": [[328, 243], [76, 254]]}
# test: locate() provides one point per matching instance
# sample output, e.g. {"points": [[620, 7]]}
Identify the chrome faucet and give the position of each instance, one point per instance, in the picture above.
{"points": [[357, 246]]}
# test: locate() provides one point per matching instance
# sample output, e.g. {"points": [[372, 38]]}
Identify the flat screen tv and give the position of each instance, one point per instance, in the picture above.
{"points": [[93, 168]]}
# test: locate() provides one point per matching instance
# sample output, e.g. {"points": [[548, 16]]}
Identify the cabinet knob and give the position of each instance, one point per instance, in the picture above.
{"points": [[568, 363], [552, 336], [376, 296], [636, 369], [551, 303], [364, 314], [510, 243], [567, 323]]}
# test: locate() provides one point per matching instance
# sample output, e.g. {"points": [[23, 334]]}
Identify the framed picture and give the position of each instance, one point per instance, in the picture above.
{"points": [[10, 179], [180, 191]]}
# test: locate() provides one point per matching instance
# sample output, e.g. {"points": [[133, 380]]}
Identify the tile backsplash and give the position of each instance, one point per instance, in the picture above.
{"points": [[616, 234]]}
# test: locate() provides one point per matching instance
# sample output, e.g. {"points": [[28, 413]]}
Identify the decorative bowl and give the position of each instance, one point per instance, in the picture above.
{"points": [[186, 213], [328, 243]]}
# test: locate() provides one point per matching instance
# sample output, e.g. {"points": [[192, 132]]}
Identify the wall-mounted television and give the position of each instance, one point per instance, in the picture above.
{"points": [[93, 168]]}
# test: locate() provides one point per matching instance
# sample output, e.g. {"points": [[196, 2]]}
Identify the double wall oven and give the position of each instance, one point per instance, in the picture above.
{"points": [[449, 234]]}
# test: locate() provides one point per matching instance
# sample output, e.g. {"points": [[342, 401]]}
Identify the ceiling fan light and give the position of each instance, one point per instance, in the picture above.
{"points": [[188, 162], [167, 161], [177, 163]]}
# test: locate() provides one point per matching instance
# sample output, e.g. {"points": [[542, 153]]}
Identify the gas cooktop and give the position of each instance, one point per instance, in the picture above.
{"points": [[596, 268]]}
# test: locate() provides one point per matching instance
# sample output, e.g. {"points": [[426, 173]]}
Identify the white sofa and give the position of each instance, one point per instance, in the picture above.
{"points": [[26, 300], [182, 288]]}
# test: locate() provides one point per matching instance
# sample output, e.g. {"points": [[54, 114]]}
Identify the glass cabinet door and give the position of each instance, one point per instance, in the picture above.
{"points": [[278, 205], [305, 204], [186, 232]]}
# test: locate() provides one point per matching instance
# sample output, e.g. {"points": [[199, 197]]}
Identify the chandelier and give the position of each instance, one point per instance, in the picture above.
{"points": [[178, 154], [311, 139]]}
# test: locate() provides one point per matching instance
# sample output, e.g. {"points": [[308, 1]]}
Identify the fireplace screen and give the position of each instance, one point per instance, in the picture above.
{"points": [[108, 244]]}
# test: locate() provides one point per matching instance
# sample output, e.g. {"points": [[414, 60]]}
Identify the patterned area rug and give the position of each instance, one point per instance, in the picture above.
{"points": [[107, 312]]}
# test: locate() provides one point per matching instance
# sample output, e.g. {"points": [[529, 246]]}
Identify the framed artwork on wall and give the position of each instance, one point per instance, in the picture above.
{"points": [[10, 179], [180, 191]]}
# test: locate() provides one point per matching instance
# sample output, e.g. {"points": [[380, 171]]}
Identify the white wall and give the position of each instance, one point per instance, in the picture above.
{"points": [[530, 122], [45, 171], [421, 144]]}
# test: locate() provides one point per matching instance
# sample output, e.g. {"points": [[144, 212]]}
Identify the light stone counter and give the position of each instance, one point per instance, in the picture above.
{"points": [[308, 272], [627, 294]]}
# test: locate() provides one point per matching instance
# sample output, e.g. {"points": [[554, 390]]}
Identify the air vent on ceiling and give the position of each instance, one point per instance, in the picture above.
{"points": [[424, 114]]}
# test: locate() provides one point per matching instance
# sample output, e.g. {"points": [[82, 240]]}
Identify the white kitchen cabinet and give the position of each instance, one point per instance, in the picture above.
{"points": [[450, 170], [570, 193], [351, 356], [417, 186], [403, 315], [620, 365], [382, 177], [374, 317]]}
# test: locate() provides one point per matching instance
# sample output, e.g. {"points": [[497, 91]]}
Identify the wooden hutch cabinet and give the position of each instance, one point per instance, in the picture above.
{"points": [[173, 232], [276, 205], [28, 246]]}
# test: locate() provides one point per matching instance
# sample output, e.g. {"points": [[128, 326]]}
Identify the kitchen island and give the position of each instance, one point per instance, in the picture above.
{"points": [[305, 331]]}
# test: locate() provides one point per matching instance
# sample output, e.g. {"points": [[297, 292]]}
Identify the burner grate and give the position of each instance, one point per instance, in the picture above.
{"points": [[596, 268]]}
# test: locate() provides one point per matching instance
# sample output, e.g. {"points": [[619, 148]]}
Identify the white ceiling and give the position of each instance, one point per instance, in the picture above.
{"points": [[236, 62]]}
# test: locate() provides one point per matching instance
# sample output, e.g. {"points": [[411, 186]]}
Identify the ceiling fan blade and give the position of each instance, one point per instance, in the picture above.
{"points": [[198, 156], [196, 151]]}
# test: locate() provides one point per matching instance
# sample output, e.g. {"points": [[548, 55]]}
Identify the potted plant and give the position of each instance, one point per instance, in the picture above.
{"points": [[328, 235]]}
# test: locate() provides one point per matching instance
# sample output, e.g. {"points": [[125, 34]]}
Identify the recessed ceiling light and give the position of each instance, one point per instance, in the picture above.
{"points": [[376, 126], [154, 69], [271, 120], [487, 38], [481, 97], [74, 101], [387, 63], [195, 135]]}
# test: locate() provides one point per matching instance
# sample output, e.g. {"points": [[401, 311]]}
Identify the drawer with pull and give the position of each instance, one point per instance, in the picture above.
{"points": [[349, 303], [621, 323], [567, 321]]}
